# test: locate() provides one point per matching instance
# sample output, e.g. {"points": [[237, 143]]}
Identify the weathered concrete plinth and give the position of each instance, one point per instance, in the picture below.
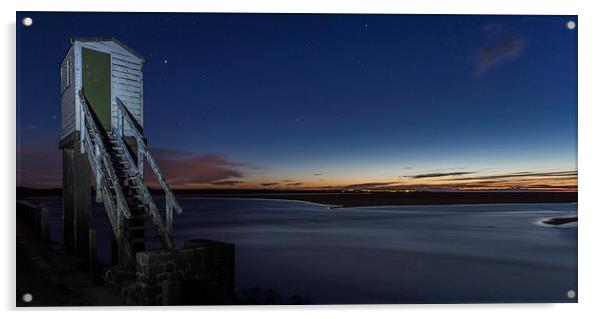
{"points": [[200, 273], [77, 197]]}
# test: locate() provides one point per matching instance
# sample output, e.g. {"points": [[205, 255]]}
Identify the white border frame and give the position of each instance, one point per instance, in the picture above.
{"points": [[590, 267]]}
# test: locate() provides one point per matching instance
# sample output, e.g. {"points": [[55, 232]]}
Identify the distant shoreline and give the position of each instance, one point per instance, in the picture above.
{"points": [[418, 198], [360, 199]]}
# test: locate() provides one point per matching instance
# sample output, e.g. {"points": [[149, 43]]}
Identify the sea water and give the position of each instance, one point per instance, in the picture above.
{"points": [[392, 254]]}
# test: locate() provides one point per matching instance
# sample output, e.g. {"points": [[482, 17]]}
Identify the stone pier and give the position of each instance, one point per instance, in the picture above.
{"points": [[200, 273]]}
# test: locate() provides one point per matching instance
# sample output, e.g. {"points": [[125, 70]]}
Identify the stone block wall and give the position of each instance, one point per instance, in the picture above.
{"points": [[200, 273]]}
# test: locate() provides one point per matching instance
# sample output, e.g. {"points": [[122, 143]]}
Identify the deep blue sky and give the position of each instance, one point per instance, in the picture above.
{"points": [[302, 100]]}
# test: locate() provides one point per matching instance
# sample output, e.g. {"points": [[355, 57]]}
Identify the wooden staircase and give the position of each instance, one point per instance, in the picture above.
{"points": [[118, 168], [139, 229]]}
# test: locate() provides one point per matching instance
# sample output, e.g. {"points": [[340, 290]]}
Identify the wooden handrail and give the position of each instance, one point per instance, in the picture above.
{"points": [[138, 181], [117, 208], [171, 203], [142, 146], [103, 155]]}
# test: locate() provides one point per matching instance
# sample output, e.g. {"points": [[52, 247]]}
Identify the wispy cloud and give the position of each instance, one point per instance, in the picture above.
{"points": [[545, 186], [270, 184], [572, 173], [517, 181], [432, 175], [226, 183], [457, 181], [369, 185], [498, 51], [189, 169]]}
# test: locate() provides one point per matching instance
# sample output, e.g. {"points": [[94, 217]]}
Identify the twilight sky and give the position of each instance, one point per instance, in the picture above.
{"points": [[429, 102]]}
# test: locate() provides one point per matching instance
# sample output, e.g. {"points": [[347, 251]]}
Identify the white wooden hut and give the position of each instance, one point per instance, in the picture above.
{"points": [[103, 145], [104, 68]]}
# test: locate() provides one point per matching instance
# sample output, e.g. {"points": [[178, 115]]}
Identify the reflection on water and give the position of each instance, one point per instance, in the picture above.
{"points": [[448, 253]]}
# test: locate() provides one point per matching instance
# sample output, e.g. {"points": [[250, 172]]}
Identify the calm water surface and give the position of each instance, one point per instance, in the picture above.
{"points": [[395, 254]]}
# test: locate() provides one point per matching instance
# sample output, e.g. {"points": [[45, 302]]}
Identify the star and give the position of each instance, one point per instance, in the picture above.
{"points": [[165, 61]]}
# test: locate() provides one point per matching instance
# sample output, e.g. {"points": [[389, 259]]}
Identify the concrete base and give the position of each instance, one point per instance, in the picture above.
{"points": [[77, 196], [200, 273]]}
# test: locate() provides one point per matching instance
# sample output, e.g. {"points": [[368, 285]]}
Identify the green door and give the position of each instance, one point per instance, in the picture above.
{"points": [[96, 81]]}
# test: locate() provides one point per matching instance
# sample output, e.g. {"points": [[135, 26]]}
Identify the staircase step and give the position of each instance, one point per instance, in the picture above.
{"points": [[145, 239], [141, 227], [135, 204], [137, 241], [134, 193]]}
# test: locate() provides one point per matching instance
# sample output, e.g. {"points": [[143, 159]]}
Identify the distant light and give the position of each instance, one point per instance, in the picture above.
{"points": [[571, 25], [165, 61], [27, 21]]}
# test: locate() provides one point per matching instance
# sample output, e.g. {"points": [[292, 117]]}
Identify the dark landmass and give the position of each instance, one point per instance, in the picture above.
{"points": [[561, 220], [359, 199], [49, 274], [413, 198], [28, 191]]}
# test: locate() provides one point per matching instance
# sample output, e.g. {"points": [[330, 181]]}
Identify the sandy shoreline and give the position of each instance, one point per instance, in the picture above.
{"points": [[560, 220]]}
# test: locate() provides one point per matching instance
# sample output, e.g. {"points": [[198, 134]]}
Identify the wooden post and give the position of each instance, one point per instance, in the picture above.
{"points": [[77, 195], [98, 174], [122, 125], [170, 291], [165, 293], [44, 227], [119, 236], [140, 158], [68, 201], [82, 125], [114, 251], [169, 215], [92, 251]]}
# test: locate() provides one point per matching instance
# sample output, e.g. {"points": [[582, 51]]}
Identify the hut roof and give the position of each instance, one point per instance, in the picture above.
{"points": [[112, 39]]}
